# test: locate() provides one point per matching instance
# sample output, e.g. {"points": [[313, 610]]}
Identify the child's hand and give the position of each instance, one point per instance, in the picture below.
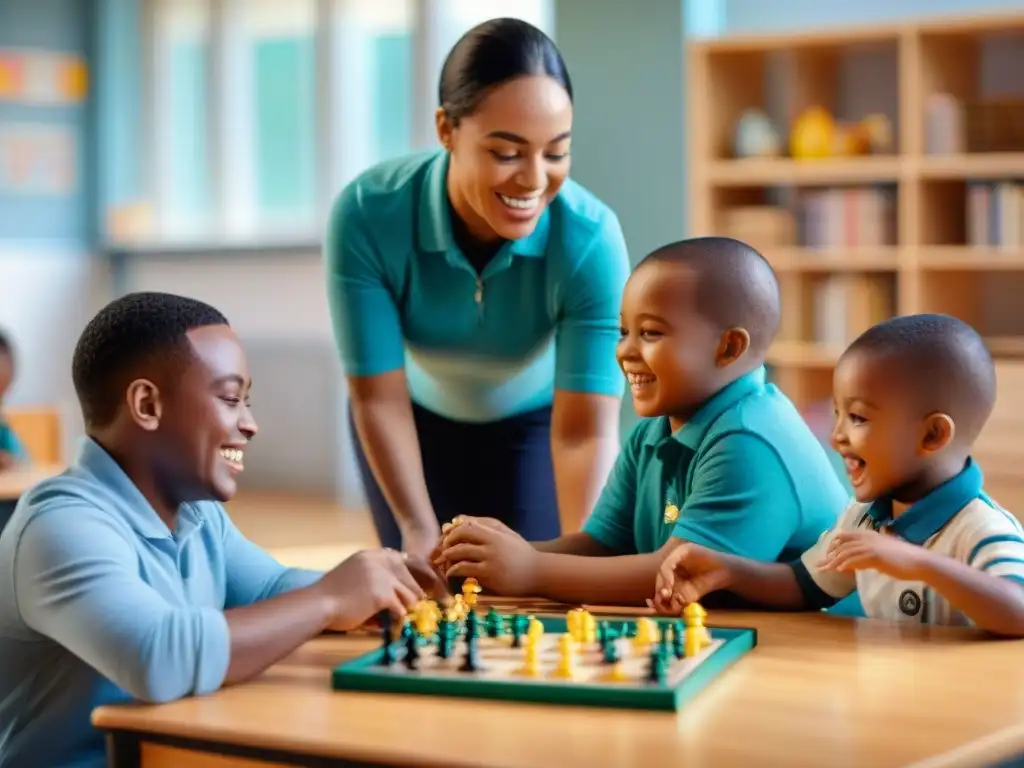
{"points": [[438, 557], [493, 554], [868, 550], [686, 575]]}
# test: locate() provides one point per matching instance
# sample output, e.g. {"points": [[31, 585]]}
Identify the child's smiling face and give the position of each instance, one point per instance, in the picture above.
{"points": [[667, 350], [886, 439]]}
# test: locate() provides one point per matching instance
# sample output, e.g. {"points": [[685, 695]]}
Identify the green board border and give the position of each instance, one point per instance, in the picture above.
{"points": [[361, 674]]}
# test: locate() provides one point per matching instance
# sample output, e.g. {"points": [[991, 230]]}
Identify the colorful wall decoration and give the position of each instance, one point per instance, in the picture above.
{"points": [[40, 78]]}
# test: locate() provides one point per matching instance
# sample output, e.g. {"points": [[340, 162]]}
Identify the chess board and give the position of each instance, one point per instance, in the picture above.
{"points": [[501, 672]]}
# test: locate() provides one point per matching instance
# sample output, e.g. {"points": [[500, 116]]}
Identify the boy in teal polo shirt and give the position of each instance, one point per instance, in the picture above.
{"points": [[722, 459]]}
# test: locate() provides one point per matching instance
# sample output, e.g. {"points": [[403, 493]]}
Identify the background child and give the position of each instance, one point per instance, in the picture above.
{"points": [[11, 450], [722, 458], [922, 542]]}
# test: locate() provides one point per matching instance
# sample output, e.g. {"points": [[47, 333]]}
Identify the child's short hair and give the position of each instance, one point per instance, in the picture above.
{"points": [[943, 359], [737, 286], [132, 330], [6, 345]]}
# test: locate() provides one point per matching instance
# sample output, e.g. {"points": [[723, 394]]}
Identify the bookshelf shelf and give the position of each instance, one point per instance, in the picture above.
{"points": [[984, 166], [755, 172], [926, 223], [803, 354], [962, 258], [827, 260]]}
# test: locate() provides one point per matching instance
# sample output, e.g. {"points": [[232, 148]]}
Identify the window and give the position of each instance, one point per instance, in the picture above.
{"points": [[271, 54], [180, 95], [258, 111]]}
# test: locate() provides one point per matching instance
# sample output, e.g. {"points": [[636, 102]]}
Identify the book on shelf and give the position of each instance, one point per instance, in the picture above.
{"points": [[995, 211], [847, 305], [859, 217]]}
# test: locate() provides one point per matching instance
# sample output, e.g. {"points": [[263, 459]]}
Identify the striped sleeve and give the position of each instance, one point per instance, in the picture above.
{"points": [[997, 545], [823, 588]]}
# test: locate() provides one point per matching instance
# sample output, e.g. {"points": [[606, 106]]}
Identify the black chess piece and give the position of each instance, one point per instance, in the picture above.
{"points": [[412, 648], [387, 657], [657, 668], [471, 661]]}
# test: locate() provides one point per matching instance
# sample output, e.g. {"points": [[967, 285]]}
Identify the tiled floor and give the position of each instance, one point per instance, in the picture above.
{"points": [[310, 533]]}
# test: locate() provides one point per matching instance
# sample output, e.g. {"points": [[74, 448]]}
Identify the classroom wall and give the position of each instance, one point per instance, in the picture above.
{"points": [[626, 63], [51, 279]]}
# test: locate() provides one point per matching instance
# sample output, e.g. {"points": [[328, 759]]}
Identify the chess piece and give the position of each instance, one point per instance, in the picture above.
{"points": [[387, 657], [494, 625], [531, 659], [566, 668], [412, 647], [518, 628], [657, 667]]}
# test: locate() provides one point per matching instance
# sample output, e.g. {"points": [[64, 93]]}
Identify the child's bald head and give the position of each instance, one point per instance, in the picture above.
{"points": [[696, 315], [734, 286]]}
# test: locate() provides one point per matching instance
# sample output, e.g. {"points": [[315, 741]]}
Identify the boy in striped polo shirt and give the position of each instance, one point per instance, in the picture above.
{"points": [[922, 542]]}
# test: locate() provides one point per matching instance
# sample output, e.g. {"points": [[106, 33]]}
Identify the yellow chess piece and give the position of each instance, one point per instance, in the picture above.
{"points": [[460, 608], [566, 668], [574, 623], [424, 620], [646, 632], [693, 616], [536, 630], [470, 589], [589, 627], [531, 659]]}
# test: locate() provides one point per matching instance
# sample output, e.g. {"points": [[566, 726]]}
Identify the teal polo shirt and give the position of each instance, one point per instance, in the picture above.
{"points": [[9, 442], [746, 474], [543, 314], [101, 603]]}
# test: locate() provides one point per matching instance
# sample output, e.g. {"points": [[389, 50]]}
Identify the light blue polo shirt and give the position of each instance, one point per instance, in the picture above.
{"points": [[745, 474], [100, 603], [543, 315]]}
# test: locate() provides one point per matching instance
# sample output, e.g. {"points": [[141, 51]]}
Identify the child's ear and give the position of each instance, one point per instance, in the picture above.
{"points": [[939, 431], [731, 346], [144, 404]]}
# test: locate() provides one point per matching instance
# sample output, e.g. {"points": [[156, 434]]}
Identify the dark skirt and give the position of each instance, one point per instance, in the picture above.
{"points": [[499, 469]]}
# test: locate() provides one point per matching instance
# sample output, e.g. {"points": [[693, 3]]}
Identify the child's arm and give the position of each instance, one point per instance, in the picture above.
{"points": [[989, 590], [993, 603], [690, 572]]}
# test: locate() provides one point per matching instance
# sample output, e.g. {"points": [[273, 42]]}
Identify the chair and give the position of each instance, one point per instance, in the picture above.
{"points": [[40, 431]]}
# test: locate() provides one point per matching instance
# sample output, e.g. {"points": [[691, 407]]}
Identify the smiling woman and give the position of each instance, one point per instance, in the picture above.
{"points": [[475, 294]]}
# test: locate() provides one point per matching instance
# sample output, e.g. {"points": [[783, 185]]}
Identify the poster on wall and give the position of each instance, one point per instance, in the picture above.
{"points": [[41, 78], [37, 159]]}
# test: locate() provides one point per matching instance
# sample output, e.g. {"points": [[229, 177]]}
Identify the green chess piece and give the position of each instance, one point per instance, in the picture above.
{"points": [[611, 651], [493, 623], [678, 636], [657, 669]]}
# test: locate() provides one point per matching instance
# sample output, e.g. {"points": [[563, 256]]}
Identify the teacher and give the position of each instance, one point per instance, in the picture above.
{"points": [[474, 293]]}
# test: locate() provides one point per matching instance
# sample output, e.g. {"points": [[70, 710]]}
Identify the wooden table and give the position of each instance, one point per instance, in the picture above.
{"points": [[14, 482], [817, 691]]}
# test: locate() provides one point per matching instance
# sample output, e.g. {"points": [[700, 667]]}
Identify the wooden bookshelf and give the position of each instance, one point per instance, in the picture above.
{"points": [[930, 257]]}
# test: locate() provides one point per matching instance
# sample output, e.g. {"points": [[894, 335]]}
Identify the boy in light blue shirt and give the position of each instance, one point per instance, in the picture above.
{"points": [[124, 578], [720, 458]]}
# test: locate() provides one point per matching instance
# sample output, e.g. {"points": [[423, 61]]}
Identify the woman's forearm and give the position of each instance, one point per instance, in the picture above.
{"points": [[581, 470], [584, 447], [382, 412]]}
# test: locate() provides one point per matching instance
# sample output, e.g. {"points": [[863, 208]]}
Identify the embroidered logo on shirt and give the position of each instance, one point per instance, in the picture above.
{"points": [[671, 513], [910, 602]]}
